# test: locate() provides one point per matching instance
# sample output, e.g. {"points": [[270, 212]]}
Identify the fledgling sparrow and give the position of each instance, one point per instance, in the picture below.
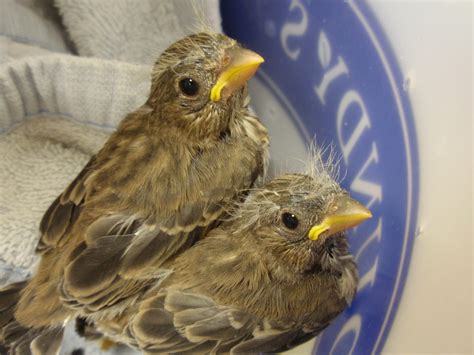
{"points": [[268, 279], [161, 180]]}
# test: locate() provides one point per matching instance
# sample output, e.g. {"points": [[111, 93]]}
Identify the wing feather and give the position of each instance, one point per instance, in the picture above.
{"points": [[187, 322], [63, 212], [121, 253]]}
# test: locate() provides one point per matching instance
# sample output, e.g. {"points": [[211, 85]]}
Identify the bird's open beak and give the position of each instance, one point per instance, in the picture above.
{"points": [[343, 213], [240, 67]]}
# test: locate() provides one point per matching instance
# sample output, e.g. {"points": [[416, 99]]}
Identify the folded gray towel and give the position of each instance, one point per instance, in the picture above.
{"points": [[135, 31], [55, 111]]}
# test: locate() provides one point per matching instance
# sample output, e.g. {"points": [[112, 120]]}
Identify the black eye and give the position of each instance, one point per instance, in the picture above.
{"points": [[289, 220], [189, 86]]}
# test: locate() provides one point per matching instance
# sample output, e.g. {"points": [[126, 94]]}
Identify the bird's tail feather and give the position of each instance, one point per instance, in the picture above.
{"points": [[16, 338]]}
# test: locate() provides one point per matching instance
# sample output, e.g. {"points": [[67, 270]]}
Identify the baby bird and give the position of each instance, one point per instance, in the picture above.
{"points": [[268, 279], [161, 180]]}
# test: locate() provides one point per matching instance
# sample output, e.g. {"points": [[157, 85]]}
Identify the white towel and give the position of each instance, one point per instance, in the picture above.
{"points": [[33, 22], [55, 111], [135, 31]]}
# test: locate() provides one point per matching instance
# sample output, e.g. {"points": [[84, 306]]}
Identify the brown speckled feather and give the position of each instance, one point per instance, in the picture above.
{"points": [[63, 212], [255, 283]]}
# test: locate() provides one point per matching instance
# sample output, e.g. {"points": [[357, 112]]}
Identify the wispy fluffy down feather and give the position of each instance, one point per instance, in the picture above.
{"points": [[320, 178], [323, 162]]}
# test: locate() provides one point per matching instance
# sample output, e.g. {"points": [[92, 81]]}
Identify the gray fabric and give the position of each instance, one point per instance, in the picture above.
{"points": [[11, 50], [55, 111], [135, 31], [10, 274], [33, 22]]}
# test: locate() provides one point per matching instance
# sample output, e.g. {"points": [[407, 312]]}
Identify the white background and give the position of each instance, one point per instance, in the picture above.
{"points": [[433, 43]]}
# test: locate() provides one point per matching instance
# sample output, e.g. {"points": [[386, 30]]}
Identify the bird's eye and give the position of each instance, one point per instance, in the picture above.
{"points": [[289, 220], [189, 86]]}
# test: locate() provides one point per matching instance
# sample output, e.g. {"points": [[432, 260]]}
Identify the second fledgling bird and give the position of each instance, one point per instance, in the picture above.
{"points": [[270, 278]]}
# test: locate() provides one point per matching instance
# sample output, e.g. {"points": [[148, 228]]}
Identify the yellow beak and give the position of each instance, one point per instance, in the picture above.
{"points": [[343, 213], [242, 65]]}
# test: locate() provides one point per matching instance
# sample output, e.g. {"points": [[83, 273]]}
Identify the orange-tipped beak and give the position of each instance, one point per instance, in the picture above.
{"points": [[242, 65]]}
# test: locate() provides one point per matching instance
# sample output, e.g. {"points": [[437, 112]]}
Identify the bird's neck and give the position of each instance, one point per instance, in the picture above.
{"points": [[209, 122]]}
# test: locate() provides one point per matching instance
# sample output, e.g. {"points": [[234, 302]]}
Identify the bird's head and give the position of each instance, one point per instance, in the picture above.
{"points": [[199, 82], [300, 220]]}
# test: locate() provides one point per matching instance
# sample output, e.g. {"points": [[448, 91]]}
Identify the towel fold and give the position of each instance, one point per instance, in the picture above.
{"points": [[55, 112], [135, 31]]}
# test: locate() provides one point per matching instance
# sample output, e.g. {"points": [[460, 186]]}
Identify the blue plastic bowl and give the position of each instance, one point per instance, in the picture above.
{"points": [[330, 72]]}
